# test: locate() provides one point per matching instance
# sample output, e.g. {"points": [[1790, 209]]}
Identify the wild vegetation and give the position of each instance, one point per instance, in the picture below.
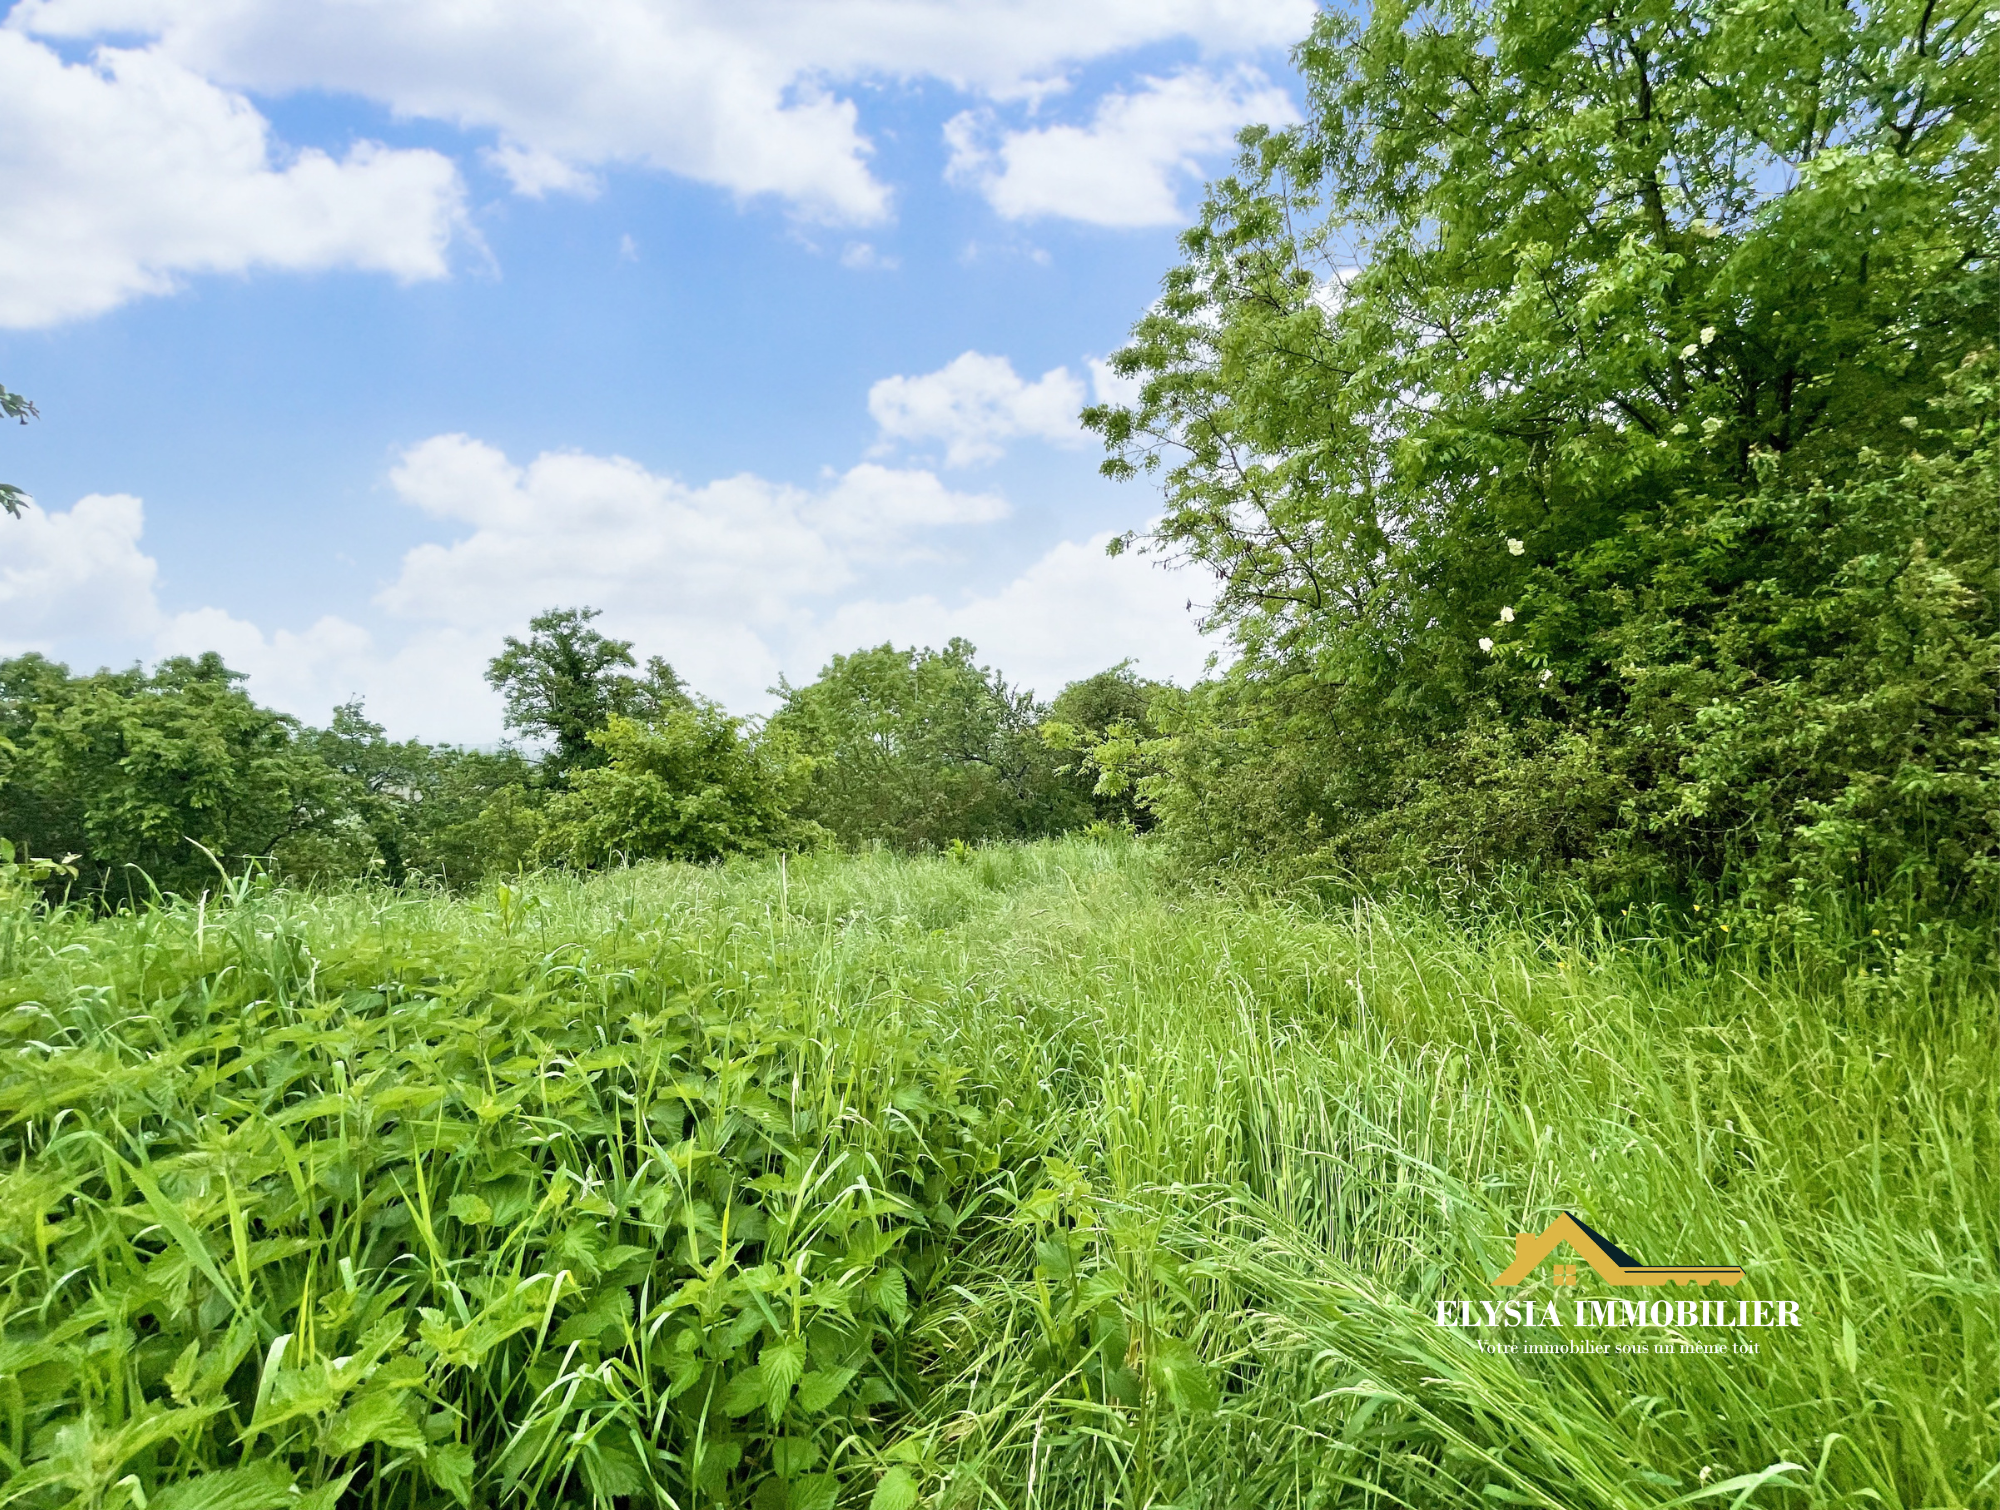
{"points": [[1022, 1177]]}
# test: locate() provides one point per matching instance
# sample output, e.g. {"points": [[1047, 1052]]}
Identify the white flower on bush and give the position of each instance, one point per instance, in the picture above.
{"points": [[1514, 547], [1506, 615], [1486, 645]]}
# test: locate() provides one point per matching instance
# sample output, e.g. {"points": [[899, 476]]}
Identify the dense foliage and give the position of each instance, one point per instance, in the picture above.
{"points": [[133, 784], [917, 748], [1014, 1176], [171, 780], [1589, 418], [691, 785], [563, 684]]}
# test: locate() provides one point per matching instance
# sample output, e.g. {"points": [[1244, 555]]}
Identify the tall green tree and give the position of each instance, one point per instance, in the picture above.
{"points": [[1579, 392], [139, 773], [564, 682], [434, 812], [1096, 721], [916, 748], [692, 784]]}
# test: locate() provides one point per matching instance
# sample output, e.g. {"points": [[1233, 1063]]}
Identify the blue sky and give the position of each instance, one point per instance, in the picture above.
{"points": [[363, 329]]}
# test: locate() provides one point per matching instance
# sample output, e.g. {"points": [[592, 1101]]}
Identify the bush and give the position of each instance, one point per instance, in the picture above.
{"points": [[917, 748], [690, 786]]}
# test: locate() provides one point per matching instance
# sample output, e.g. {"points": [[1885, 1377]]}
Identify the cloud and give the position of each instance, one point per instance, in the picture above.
{"points": [[861, 257], [741, 94], [123, 174], [1129, 165], [976, 403], [736, 581], [1072, 613], [431, 684], [78, 575]]}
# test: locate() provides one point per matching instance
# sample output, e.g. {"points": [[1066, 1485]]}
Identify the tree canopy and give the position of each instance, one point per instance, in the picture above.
{"points": [[917, 748], [563, 683], [1588, 419]]}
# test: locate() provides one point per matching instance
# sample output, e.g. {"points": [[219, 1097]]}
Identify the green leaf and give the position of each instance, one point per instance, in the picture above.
{"points": [[782, 1363], [889, 1291], [744, 1394], [896, 1491], [792, 1456], [264, 1486], [377, 1415], [327, 1496], [180, 1378], [816, 1491], [821, 1387], [450, 1468], [1181, 1375], [471, 1210]]}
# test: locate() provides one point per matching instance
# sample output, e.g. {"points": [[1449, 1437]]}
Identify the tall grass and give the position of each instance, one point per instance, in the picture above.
{"points": [[1048, 1183]]}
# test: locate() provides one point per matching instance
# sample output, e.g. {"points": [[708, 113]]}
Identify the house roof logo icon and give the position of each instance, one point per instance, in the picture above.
{"points": [[1613, 1264]]}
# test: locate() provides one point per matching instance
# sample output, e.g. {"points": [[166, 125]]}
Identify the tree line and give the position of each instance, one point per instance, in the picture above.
{"points": [[126, 784]]}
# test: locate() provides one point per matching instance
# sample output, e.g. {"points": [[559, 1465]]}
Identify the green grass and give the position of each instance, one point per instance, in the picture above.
{"points": [[1021, 1178]]}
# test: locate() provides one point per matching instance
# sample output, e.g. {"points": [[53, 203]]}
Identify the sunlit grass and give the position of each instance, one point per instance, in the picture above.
{"points": [[1106, 1190]]}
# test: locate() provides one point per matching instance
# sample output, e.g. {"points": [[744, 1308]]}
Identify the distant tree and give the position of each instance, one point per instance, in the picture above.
{"points": [[563, 683], [424, 806], [691, 784], [1112, 706], [142, 773], [917, 748], [13, 406]]}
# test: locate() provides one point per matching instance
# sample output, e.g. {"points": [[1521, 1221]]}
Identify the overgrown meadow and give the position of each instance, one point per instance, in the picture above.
{"points": [[1017, 1176]]}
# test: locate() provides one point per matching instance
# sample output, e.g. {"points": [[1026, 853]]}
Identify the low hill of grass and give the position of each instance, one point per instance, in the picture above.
{"points": [[1018, 1177]]}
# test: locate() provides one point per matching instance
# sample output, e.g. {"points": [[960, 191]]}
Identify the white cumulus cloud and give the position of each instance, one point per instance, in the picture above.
{"points": [[736, 581], [123, 174], [75, 575], [1129, 164], [976, 403], [742, 94], [1072, 613]]}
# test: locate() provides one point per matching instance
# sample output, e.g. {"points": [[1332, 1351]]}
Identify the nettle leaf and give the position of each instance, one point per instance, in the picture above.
{"points": [[895, 1491], [717, 1459], [612, 1469], [470, 1209], [451, 1468], [264, 1486], [181, 1376], [781, 1363], [816, 1491], [684, 1371], [744, 1394], [889, 1291], [377, 1415], [608, 1311], [821, 1387], [1179, 1372], [792, 1456]]}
